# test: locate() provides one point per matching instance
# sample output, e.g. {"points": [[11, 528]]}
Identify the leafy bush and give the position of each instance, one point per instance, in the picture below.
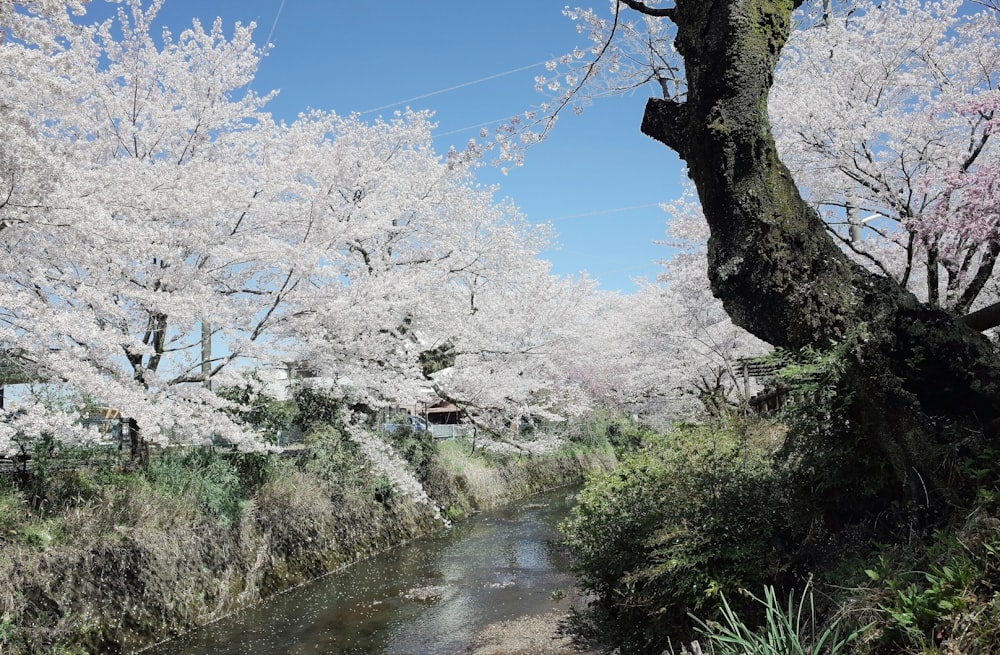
{"points": [[317, 408], [13, 508], [697, 512], [209, 479], [939, 592], [271, 417], [602, 426], [8, 632], [254, 470], [336, 460], [417, 447], [62, 475]]}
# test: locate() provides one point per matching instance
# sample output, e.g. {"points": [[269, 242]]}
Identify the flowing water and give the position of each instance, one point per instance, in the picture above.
{"points": [[430, 596]]}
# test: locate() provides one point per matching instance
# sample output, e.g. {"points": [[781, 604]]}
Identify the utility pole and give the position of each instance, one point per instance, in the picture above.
{"points": [[206, 354], [853, 224]]}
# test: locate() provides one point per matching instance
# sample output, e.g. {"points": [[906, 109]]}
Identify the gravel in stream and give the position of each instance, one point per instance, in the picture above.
{"points": [[530, 635]]}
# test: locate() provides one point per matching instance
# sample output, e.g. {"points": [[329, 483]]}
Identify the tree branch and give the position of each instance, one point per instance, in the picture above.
{"points": [[663, 120], [643, 8], [983, 319], [983, 274]]}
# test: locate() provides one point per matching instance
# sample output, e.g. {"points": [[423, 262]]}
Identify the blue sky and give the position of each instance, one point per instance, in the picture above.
{"points": [[597, 179]]}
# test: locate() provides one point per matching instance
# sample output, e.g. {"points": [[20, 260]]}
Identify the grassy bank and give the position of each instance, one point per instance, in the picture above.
{"points": [[722, 533], [101, 558]]}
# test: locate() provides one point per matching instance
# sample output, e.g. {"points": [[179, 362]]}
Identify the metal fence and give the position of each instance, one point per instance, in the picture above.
{"points": [[449, 431]]}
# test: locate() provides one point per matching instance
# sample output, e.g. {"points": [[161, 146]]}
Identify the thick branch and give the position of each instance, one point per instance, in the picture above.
{"points": [[643, 8], [985, 318], [983, 274], [664, 120]]}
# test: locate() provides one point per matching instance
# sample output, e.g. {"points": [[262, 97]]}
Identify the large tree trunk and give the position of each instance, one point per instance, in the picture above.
{"points": [[915, 373]]}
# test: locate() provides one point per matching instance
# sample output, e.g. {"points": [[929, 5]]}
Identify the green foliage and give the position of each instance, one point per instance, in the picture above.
{"points": [[210, 480], [845, 472], [38, 521], [13, 509], [602, 426], [254, 470], [417, 447], [335, 459], [945, 589], [317, 408], [43, 463], [695, 513], [437, 359], [62, 475], [981, 472], [384, 488], [41, 534], [793, 629], [8, 632], [266, 414]]}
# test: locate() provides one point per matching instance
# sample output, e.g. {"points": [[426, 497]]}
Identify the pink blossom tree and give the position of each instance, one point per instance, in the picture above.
{"points": [[865, 111]]}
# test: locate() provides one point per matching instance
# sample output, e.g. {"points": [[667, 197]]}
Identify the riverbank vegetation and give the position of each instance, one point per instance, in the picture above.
{"points": [[102, 553], [747, 534], [840, 152]]}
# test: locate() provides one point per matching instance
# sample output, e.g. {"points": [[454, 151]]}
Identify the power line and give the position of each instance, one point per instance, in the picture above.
{"points": [[275, 23], [472, 127], [453, 88], [601, 212]]}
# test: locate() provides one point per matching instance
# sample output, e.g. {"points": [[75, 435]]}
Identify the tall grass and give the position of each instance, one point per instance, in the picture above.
{"points": [[791, 629]]}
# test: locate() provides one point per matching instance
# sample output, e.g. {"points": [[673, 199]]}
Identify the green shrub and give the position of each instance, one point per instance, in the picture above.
{"points": [[417, 447], [209, 479], [13, 509], [41, 534], [335, 459], [601, 426], [942, 589], [62, 475], [263, 412], [8, 632], [697, 512], [316, 408], [254, 470]]}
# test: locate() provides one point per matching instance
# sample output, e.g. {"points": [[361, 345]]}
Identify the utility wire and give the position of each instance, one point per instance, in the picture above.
{"points": [[472, 127], [275, 23], [601, 212], [454, 88]]}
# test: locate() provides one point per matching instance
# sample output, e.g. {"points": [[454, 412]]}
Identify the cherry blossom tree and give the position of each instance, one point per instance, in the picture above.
{"points": [[880, 148], [669, 351], [162, 233], [507, 327], [101, 199], [38, 22], [771, 261], [977, 216]]}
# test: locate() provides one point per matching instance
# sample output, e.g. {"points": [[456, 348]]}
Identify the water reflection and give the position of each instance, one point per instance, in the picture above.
{"points": [[428, 597]]}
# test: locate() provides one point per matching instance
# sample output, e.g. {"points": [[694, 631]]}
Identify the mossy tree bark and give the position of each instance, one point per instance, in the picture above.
{"points": [[914, 372]]}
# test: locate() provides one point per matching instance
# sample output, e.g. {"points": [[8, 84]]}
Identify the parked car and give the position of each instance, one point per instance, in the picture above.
{"points": [[396, 423]]}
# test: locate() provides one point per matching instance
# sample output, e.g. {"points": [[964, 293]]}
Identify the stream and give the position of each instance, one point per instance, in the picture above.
{"points": [[429, 596]]}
